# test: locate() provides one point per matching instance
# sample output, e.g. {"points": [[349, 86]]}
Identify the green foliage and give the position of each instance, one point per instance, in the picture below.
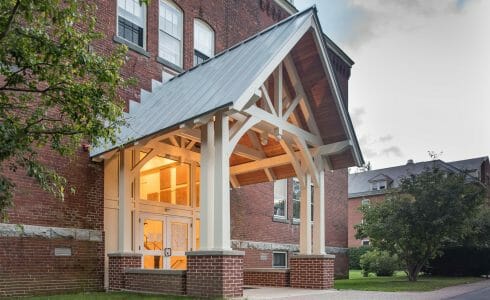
{"points": [[355, 256], [54, 90], [379, 262], [426, 210]]}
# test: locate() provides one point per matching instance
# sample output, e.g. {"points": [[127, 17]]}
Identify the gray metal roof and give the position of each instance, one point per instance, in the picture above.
{"points": [[215, 84], [359, 183]]}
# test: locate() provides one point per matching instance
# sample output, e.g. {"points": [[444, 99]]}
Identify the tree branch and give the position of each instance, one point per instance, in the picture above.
{"points": [[10, 20]]}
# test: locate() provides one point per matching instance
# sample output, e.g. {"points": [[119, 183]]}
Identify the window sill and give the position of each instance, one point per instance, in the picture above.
{"points": [[169, 64], [280, 219], [131, 46], [296, 221]]}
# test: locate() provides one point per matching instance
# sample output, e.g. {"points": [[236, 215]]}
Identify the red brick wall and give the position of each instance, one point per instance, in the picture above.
{"points": [[215, 276], [355, 216], [28, 266], [269, 278], [312, 273], [117, 264], [171, 284]]}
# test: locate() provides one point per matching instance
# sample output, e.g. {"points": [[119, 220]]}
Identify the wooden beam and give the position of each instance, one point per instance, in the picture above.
{"points": [[261, 114], [304, 104], [242, 129], [307, 159], [267, 99], [234, 181], [286, 145]]}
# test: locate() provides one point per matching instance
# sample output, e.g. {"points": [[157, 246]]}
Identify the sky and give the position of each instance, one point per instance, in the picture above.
{"points": [[421, 78]]}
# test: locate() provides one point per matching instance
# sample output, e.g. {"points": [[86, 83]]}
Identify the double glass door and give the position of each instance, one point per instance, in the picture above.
{"points": [[165, 241]]}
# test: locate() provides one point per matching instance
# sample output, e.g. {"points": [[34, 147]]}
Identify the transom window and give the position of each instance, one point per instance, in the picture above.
{"points": [[170, 33], [165, 180], [203, 41], [131, 21], [280, 198]]}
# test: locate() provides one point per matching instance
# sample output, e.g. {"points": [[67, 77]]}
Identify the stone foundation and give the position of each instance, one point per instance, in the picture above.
{"points": [[266, 277], [312, 271], [215, 274]]}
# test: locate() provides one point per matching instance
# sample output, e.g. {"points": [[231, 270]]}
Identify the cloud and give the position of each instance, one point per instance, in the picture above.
{"points": [[385, 138], [357, 115], [393, 150], [369, 19]]}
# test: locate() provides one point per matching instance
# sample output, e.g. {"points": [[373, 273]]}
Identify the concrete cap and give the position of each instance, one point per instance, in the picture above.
{"points": [[313, 256], [124, 254], [215, 253], [155, 271]]}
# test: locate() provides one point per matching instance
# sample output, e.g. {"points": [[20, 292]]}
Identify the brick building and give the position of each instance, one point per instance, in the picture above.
{"points": [[264, 111], [371, 186]]}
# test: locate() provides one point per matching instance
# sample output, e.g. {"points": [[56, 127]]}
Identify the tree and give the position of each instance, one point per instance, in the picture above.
{"points": [[415, 219], [55, 92]]}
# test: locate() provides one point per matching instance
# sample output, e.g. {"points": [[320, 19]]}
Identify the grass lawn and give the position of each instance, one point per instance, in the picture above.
{"points": [[109, 296], [398, 282]]}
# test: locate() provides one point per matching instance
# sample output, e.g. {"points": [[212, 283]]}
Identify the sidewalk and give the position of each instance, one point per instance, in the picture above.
{"points": [[472, 291]]}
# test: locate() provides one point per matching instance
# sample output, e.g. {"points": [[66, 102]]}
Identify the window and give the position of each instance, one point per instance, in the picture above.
{"points": [[365, 242], [279, 259], [203, 41], [378, 185], [365, 202], [297, 200], [280, 198], [170, 33], [131, 21], [165, 180]]}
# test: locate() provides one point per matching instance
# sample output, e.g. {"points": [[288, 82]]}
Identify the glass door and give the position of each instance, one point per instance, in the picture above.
{"points": [[165, 241]]}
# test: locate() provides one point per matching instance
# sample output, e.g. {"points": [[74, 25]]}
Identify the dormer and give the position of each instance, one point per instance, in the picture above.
{"points": [[380, 182]]}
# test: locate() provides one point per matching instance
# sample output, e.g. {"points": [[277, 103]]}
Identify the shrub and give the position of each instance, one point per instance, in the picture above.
{"points": [[461, 261], [379, 262], [355, 256]]}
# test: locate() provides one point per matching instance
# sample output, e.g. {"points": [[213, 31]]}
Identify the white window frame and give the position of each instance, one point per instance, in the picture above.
{"points": [[297, 220], [365, 240], [171, 5], [127, 15], [205, 26], [282, 197], [365, 202], [285, 260], [375, 186]]}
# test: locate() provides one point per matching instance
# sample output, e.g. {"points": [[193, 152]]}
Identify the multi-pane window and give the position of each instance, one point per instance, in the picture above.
{"points": [[131, 21], [365, 202], [279, 259], [165, 180], [297, 200], [170, 33], [203, 41], [280, 198]]}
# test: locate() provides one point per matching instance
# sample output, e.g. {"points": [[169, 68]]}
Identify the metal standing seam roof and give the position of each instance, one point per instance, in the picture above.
{"points": [[214, 84], [359, 184]]}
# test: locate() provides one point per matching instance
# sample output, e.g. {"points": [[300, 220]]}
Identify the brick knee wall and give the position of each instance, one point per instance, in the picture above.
{"points": [[28, 266], [312, 272], [264, 277], [215, 274], [118, 262], [171, 282]]}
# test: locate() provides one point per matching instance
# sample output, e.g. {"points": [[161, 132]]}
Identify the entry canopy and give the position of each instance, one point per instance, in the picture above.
{"points": [[278, 85]]}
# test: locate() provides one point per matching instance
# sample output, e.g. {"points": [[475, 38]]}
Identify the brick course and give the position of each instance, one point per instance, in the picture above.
{"points": [[215, 275], [171, 283], [118, 263], [28, 266], [266, 277], [313, 272]]}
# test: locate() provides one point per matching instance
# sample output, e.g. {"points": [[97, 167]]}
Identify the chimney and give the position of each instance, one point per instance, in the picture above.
{"points": [[410, 162]]}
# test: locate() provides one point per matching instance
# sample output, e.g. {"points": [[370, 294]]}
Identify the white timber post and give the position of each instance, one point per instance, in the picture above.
{"points": [[222, 238], [305, 216], [125, 203], [319, 215], [207, 186]]}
